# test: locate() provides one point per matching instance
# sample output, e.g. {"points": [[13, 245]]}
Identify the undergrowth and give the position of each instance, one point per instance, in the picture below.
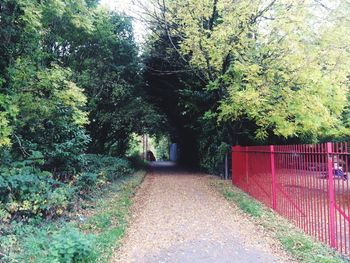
{"points": [[107, 219], [87, 230]]}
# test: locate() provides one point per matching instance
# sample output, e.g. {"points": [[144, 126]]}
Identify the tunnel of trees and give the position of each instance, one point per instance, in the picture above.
{"points": [[249, 73], [211, 74]]}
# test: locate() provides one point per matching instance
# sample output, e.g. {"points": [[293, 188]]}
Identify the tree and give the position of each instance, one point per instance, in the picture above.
{"points": [[70, 80], [272, 70], [107, 67]]}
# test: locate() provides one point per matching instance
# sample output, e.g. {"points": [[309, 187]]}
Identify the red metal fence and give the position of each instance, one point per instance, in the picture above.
{"points": [[308, 184]]}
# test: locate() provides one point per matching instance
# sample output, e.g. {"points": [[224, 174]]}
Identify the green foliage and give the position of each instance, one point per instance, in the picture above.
{"points": [[107, 68], [32, 204], [162, 148], [50, 119], [212, 146], [255, 72], [69, 82], [9, 247], [27, 191], [270, 80], [87, 181], [249, 206], [42, 108], [109, 215], [69, 79], [8, 110], [107, 168], [66, 245], [135, 145]]}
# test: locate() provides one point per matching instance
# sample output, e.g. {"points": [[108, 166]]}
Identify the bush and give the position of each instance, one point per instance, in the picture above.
{"points": [[107, 167], [5, 216], [9, 248], [28, 191], [117, 169], [137, 162], [86, 181], [58, 200], [28, 195], [66, 245], [65, 157]]}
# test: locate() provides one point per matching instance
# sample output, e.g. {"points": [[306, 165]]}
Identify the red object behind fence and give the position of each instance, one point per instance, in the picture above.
{"points": [[308, 184]]}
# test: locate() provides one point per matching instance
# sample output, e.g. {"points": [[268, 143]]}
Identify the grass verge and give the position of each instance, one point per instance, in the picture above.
{"points": [[106, 216], [301, 246]]}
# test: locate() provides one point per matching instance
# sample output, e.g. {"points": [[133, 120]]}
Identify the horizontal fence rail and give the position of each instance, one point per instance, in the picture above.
{"points": [[308, 184]]}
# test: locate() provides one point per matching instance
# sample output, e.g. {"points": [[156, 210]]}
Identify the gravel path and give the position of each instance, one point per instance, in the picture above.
{"points": [[177, 217]]}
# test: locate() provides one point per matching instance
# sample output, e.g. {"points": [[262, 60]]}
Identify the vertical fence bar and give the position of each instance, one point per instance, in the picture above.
{"points": [[300, 172], [304, 189], [331, 195], [226, 166], [313, 192], [318, 193], [336, 198], [324, 194], [233, 159], [307, 177], [246, 163], [273, 177]]}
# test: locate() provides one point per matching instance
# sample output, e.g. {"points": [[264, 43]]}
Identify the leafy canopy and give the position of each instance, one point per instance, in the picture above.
{"points": [[283, 65]]}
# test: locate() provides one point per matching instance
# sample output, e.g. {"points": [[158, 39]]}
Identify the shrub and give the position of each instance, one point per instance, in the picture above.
{"points": [[3, 188], [28, 191], [137, 162], [9, 248], [86, 181], [65, 157], [107, 167], [5, 216], [66, 245], [11, 236], [117, 169], [58, 200]]}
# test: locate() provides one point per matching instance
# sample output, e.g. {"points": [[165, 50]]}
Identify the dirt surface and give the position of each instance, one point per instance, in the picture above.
{"points": [[178, 217]]}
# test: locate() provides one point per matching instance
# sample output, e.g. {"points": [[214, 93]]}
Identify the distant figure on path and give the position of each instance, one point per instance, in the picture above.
{"points": [[150, 156]]}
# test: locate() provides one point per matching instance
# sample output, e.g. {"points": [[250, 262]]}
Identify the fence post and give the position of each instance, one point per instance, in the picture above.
{"points": [[226, 166], [246, 156], [273, 177], [232, 163], [331, 200]]}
